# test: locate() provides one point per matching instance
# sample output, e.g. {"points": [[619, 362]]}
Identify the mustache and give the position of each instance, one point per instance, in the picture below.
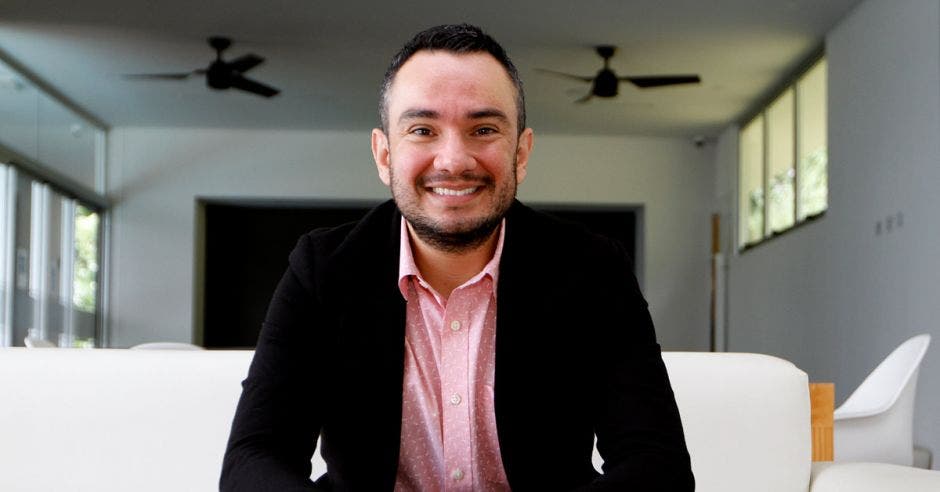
{"points": [[445, 177]]}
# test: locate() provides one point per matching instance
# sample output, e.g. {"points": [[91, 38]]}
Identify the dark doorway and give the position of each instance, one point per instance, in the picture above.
{"points": [[618, 223], [246, 250]]}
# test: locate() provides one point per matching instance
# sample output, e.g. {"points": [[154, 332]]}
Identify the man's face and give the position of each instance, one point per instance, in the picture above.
{"points": [[453, 155]]}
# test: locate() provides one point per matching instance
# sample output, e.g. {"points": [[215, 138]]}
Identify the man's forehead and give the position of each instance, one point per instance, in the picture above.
{"points": [[438, 54], [428, 63], [440, 73]]}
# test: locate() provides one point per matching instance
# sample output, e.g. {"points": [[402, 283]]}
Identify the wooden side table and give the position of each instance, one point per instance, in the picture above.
{"points": [[822, 398]]}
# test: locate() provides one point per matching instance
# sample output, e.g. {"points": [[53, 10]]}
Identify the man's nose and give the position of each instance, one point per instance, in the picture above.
{"points": [[454, 154]]}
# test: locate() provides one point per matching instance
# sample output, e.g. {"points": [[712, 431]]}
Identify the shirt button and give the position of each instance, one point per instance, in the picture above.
{"points": [[457, 475], [455, 325], [455, 399]]}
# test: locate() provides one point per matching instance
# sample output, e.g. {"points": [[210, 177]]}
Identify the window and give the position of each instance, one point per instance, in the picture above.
{"points": [[811, 143], [782, 173], [55, 266]]}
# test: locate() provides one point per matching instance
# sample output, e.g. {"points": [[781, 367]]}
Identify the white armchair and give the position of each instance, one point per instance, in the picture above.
{"points": [[876, 422]]}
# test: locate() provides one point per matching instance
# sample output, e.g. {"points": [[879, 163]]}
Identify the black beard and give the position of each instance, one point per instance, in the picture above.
{"points": [[455, 242], [466, 236]]}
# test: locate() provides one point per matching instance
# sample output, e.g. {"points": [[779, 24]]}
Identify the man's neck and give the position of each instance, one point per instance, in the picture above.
{"points": [[447, 270]]}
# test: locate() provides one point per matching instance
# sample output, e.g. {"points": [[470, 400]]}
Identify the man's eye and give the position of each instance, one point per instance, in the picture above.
{"points": [[421, 131], [486, 131]]}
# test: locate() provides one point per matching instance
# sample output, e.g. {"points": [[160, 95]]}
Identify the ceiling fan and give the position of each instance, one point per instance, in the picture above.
{"points": [[606, 83], [221, 74]]}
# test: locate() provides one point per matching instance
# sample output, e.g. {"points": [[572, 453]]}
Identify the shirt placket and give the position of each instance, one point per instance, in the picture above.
{"points": [[455, 389]]}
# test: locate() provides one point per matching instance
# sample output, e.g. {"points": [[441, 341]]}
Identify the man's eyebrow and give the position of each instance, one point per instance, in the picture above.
{"points": [[419, 113], [413, 114], [488, 113]]}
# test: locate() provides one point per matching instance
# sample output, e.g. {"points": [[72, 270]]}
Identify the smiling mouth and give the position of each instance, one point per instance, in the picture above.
{"points": [[450, 192]]}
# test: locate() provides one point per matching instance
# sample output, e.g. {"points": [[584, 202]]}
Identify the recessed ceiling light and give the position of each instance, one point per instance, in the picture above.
{"points": [[11, 82]]}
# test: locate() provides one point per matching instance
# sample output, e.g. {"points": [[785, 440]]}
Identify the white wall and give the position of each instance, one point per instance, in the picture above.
{"points": [[834, 297], [157, 173]]}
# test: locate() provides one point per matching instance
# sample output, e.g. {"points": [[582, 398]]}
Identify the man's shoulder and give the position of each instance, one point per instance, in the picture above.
{"points": [[352, 241], [372, 225]]}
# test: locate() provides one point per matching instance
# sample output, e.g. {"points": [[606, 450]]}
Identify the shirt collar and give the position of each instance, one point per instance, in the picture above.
{"points": [[407, 267]]}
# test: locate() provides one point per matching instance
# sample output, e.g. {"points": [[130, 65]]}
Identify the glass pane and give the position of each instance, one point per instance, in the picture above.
{"points": [[39, 311], [7, 205], [55, 315], [18, 113], [67, 144], [751, 183], [48, 132], [85, 276], [24, 301], [812, 142], [780, 169]]}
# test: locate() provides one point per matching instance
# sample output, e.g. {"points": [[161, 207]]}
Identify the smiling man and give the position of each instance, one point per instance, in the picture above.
{"points": [[454, 339]]}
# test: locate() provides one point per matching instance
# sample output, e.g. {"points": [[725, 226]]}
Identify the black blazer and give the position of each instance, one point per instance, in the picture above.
{"points": [[575, 355]]}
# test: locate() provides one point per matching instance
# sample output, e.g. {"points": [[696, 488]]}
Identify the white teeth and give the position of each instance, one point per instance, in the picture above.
{"points": [[450, 192]]}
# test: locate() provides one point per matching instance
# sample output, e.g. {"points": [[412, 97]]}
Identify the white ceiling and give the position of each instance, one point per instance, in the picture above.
{"points": [[328, 57]]}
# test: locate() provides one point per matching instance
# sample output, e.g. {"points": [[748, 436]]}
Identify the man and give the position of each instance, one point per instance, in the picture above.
{"points": [[454, 339]]}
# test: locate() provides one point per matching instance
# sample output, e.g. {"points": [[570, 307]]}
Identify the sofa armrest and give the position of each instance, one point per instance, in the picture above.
{"points": [[872, 477]]}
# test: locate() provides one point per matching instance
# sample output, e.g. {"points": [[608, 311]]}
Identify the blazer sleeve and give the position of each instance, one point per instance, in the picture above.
{"points": [[637, 423], [277, 421]]}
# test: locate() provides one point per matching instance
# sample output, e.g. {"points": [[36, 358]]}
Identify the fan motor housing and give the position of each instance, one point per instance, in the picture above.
{"points": [[606, 84], [218, 76]]}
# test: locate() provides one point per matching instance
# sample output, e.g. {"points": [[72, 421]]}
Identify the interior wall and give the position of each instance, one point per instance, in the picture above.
{"points": [[156, 174], [836, 296]]}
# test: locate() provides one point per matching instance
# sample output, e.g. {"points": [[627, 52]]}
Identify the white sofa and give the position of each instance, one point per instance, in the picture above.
{"points": [[117, 420]]}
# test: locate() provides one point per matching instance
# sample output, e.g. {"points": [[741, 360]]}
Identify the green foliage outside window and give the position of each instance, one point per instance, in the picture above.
{"points": [[781, 200], [86, 259], [814, 193], [814, 182], [755, 214]]}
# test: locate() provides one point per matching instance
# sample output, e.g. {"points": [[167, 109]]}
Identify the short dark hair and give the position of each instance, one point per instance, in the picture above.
{"points": [[453, 38]]}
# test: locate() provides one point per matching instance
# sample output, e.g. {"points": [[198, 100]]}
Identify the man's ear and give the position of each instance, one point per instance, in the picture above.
{"points": [[380, 154], [523, 149]]}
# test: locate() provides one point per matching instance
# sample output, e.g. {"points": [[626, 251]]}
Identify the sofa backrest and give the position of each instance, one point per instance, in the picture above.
{"points": [[116, 420], [103, 420], [746, 419]]}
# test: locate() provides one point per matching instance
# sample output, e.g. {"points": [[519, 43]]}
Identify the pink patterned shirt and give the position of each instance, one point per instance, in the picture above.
{"points": [[448, 429]]}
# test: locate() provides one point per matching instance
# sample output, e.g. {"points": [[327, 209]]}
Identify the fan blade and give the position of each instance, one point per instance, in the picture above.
{"points": [[566, 75], [258, 88], [159, 76], [585, 99], [644, 82], [245, 63]]}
